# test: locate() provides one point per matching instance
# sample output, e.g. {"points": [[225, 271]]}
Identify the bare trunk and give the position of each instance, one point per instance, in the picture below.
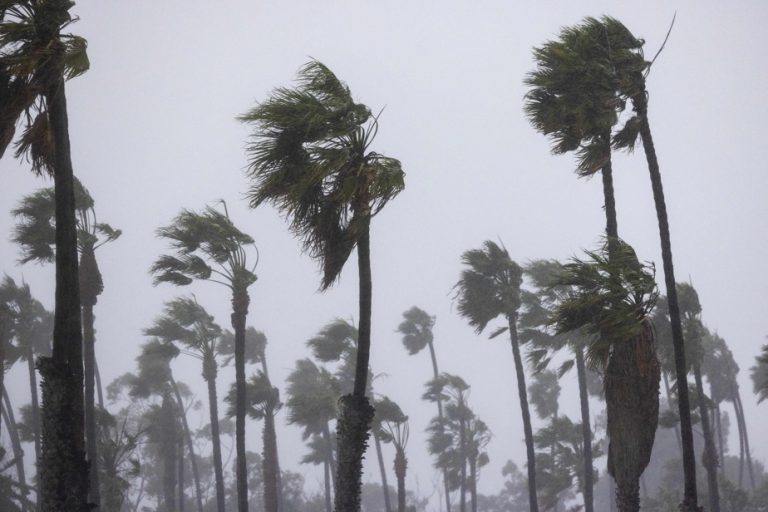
{"points": [[180, 452], [209, 373], [190, 446], [401, 466], [709, 458], [18, 452], [382, 472], [90, 411], [270, 469], [240, 301], [669, 404], [35, 412], [463, 471], [327, 474], [586, 430], [270, 423], [435, 373]]}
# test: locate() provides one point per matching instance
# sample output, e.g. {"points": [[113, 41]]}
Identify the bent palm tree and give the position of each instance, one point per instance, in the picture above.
{"points": [[209, 247], [310, 157], [611, 298], [35, 60], [490, 287], [35, 233], [759, 375]]}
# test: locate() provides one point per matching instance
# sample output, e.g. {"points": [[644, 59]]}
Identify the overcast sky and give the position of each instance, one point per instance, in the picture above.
{"points": [[153, 130]]}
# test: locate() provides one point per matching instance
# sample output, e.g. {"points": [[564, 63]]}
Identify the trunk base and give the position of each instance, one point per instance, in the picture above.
{"points": [[355, 416]]}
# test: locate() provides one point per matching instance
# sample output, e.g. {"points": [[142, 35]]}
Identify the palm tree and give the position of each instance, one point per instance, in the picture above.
{"points": [[209, 247], [759, 375], [35, 60], [611, 298], [490, 287], [187, 324], [392, 427], [416, 329], [310, 157], [35, 233]]}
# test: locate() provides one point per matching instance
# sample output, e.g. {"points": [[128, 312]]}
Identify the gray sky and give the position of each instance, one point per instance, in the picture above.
{"points": [[153, 130]]}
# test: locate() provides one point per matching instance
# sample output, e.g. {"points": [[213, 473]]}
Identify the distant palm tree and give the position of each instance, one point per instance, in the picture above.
{"points": [[188, 326], [310, 156], [489, 287], [759, 374], [35, 60], [209, 247], [35, 233], [611, 298], [392, 426], [416, 329]]}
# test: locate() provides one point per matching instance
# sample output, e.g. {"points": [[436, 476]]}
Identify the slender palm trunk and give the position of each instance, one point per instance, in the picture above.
{"points": [[180, 453], [63, 470], [355, 410], [209, 374], [5, 329], [709, 459], [270, 471], [742, 421], [586, 430], [99, 387], [327, 474], [35, 411], [720, 450], [440, 415], [611, 222], [331, 458], [190, 445], [463, 456], [18, 452], [522, 391], [382, 472], [690, 500], [167, 450], [473, 482], [240, 301], [401, 466], [669, 404], [741, 443], [89, 359]]}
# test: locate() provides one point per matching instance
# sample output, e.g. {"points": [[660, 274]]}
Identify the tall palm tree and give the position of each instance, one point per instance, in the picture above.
{"points": [[35, 60], [416, 329], [611, 298], [209, 247], [618, 49], [35, 233], [489, 287], [310, 156], [188, 326]]}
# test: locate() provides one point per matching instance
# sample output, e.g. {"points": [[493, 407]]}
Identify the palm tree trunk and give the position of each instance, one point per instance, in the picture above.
{"points": [[709, 459], [741, 443], [355, 410], [63, 469], [270, 469], [382, 472], [522, 391], [168, 453], [440, 415], [463, 471], [690, 500], [99, 387], [327, 474], [5, 329], [611, 223], [669, 404], [743, 423], [89, 359], [401, 466], [331, 457], [190, 445], [35, 411], [180, 452], [240, 301], [18, 453], [209, 374], [473, 483], [586, 430]]}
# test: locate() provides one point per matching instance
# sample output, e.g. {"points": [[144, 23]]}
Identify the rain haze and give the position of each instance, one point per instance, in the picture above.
{"points": [[153, 130]]}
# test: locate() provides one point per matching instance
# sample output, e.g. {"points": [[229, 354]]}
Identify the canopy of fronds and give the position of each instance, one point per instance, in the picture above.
{"points": [[416, 329], [186, 322]]}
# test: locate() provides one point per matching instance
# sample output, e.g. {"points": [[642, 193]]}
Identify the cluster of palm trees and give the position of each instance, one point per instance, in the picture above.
{"points": [[310, 156]]}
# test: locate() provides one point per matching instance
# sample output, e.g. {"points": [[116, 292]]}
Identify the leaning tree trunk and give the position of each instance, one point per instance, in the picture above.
{"points": [[240, 301], [35, 410], [209, 374], [522, 392], [190, 445], [586, 430], [473, 482], [180, 454], [690, 500], [401, 466], [743, 421], [440, 415], [355, 410], [463, 457], [269, 463], [632, 400], [63, 469], [167, 448], [709, 458], [90, 287], [382, 472], [18, 452], [669, 404], [720, 450]]}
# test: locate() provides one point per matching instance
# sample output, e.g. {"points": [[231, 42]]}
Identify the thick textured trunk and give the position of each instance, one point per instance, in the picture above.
{"points": [[89, 360], [270, 469], [586, 430], [190, 445], [435, 373], [709, 458], [355, 410], [18, 452], [382, 472], [743, 423], [522, 391], [209, 374], [240, 301], [632, 401], [401, 466], [690, 499], [35, 409]]}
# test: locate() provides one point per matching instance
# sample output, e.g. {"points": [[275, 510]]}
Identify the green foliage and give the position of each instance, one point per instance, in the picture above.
{"points": [[187, 323], [309, 156], [416, 329], [260, 397], [544, 392], [255, 346], [759, 375], [312, 395], [489, 286]]}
